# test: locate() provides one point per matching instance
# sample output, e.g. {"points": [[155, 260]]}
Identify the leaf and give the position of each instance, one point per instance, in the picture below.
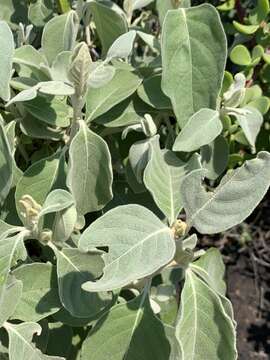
{"points": [[6, 161], [128, 112], [74, 268], [100, 100], [137, 4], [213, 264], [7, 52], [11, 296], [89, 160], [245, 29], [40, 292], [11, 250], [40, 12], [138, 158], [80, 67], [232, 201], [55, 88], [163, 178], [193, 58], [60, 340], [250, 122], [25, 95], [150, 92], [214, 157], [60, 66], [203, 329], [56, 200], [100, 74], [139, 245], [20, 342], [39, 179], [110, 21], [36, 129], [122, 46], [29, 56], [59, 35], [201, 129], [240, 55], [141, 335], [54, 112]]}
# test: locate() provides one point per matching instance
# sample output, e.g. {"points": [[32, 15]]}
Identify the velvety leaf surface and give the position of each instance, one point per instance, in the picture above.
{"points": [[190, 64], [6, 161], [203, 329], [201, 129], [232, 201], [163, 178], [39, 294], [89, 162], [140, 334], [7, 51], [100, 100], [74, 268], [139, 244]]}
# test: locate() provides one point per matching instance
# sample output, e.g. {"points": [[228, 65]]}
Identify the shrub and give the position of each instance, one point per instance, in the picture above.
{"points": [[117, 141]]}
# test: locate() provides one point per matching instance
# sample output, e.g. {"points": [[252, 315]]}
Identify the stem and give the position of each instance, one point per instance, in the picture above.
{"points": [[63, 6]]}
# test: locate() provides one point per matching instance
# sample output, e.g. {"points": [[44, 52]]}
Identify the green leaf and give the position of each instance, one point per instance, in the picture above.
{"points": [[110, 21], [7, 52], [240, 55], [213, 264], [11, 296], [40, 12], [55, 88], [139, 244], [128, 112], [163, 178], [100, 100], [6, 168], [122, 46], [39, 179], [20, 342], [29, 56], [59, 35], [11, 250], [138, 158], [250, 121], [54, 112], [201, 129], [232, 201], [260, 12], [74, 268], [60, 66], [203, 329], [140, 334], [79, 69], [245, 29], [214, 157], [36, 129], [89, 162], [193, 59], [150, 92], [262, 104], [100, 75], [40, 292]]}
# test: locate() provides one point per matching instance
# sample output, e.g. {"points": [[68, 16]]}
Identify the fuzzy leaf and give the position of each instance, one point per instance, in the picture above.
{"points": [[193, 58], [201, 129], [40, 292], [7, 52], [144, 334], [73, 269], [100, 100], [232, 201], [90, 161], [110, 21], [6, 168], [20, 342], [163, 178], [203, 329], [59, 35], [139, 244]]}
